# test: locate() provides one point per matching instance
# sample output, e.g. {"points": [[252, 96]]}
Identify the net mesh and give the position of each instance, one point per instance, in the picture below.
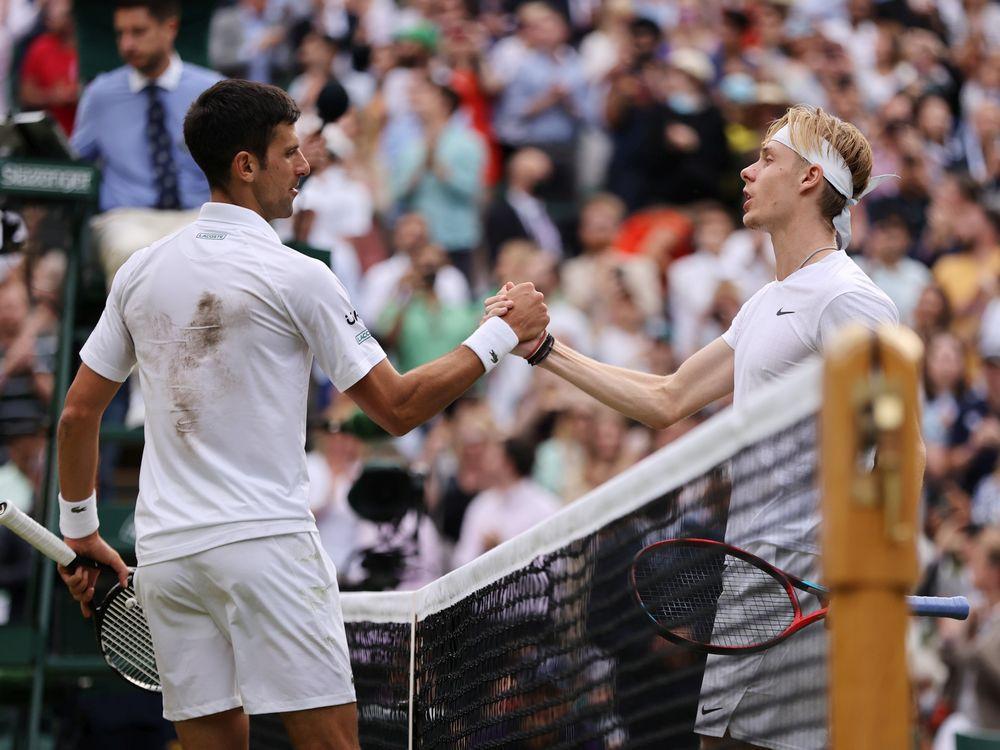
{"points": [[541, 644]]}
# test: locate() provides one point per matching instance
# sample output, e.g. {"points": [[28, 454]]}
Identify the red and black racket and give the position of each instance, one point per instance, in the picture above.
{"points": [[720, 599]]}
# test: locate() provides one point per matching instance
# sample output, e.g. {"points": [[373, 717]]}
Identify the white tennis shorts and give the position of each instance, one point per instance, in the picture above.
{"points": [[255, 623], [774, 698]]}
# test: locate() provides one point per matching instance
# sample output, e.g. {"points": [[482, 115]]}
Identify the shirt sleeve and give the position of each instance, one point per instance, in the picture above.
{"points": [[31, 67], [330, 325], [870, 310], [732, 336], [110, 351], [85, 129]]}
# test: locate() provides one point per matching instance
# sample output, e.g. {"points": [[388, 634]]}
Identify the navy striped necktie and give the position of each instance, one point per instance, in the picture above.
{"points": [[161, 152]]}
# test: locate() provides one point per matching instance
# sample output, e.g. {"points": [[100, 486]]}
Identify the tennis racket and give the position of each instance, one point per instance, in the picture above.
{"points": [[719, 599], [122, 631]]}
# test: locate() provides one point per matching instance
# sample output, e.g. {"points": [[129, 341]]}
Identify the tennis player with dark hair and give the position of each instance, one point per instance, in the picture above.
{"points": [[812, 168], [222, 322]]}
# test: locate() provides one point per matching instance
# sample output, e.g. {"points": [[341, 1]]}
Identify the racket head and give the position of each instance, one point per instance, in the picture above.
{"points": [[124, 639], [712, 597]]}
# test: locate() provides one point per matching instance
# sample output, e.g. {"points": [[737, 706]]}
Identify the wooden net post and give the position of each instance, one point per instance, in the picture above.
{"points": [[871, 412]]}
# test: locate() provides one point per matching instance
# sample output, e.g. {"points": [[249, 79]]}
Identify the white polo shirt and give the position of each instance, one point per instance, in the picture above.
{"points": [[223, 321], [774, 499], [787, 321]]}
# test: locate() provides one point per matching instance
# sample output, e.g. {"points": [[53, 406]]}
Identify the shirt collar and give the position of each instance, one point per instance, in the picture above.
{"points": [[170, 79], [520, 199], [230, 213]]}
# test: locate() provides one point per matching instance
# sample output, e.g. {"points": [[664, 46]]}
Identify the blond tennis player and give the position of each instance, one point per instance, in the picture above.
{"points": [[223, 322], [812, 168]]}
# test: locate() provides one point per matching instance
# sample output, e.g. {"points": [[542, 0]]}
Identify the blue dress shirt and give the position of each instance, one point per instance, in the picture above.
{"points": [[111, 130], [535, 75]]}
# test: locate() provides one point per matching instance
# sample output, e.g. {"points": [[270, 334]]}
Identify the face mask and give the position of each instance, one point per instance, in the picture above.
{"points": [[738, 88], [684, 104]]}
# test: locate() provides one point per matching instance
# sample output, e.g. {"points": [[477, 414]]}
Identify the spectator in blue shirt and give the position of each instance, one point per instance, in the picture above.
{"points": [[130, 122], [545, 96], [441, 175]]}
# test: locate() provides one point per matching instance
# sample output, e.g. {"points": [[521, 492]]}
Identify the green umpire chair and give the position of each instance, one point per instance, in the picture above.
{"points": [[977, 741]]}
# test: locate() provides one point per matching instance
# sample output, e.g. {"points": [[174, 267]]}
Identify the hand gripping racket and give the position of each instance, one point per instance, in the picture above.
{"points": [[122, 631], [719, 599]]}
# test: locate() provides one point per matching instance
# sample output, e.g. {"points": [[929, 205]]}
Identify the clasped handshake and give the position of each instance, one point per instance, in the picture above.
{"points": [[523, 308]]}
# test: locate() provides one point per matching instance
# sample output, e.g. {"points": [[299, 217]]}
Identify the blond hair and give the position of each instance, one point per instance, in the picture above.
{"points": [[808, 127]]}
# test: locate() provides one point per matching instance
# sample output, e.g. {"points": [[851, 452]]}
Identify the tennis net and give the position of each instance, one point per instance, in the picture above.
{"points": [[540, 644]]}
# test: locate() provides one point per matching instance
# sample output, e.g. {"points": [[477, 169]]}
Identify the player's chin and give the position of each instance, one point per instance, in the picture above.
{"points": [[283, 209], [750, 221]]}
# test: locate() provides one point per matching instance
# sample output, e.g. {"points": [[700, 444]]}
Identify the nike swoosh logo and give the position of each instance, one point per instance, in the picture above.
{"points": [[785, 312], [78, 509], [705, 710]]}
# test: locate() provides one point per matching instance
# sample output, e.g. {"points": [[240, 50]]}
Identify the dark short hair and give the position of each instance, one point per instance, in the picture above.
{"points": [[644, 25], [233, 116], [521, 454], [161, 10]]}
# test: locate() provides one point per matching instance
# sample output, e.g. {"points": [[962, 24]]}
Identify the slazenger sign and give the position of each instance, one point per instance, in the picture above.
{"points": [[57, 179]]}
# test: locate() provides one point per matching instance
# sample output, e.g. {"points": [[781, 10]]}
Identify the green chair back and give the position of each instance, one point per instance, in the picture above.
{"points": [[983, 740]]}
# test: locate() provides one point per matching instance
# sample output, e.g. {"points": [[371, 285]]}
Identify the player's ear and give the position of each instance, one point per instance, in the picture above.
{"points": [[811, 176], [244, 167]]}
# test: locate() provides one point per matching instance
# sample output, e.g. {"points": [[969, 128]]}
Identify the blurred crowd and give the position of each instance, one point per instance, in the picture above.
{"points": [[592, 147]]}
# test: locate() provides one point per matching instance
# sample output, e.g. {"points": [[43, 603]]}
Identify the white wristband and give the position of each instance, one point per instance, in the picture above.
{"points": [[78, 519], [491, 341]]}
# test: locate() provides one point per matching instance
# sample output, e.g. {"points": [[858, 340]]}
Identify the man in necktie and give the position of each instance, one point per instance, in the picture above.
{"points": [[130, 122]]}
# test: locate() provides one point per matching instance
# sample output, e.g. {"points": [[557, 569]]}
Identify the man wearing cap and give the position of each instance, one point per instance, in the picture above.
{"points": [[812, 168]]}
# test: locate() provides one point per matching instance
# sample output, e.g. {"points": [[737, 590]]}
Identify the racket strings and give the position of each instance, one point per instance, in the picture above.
{"points": [[704, 595], [126, 641]]}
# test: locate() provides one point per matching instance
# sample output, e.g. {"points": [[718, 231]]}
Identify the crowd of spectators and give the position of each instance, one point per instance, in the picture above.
{"points": [[593, 148]]}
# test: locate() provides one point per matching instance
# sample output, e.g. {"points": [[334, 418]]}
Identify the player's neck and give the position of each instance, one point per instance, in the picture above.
{"points": [[243, 200], [795, 241]]}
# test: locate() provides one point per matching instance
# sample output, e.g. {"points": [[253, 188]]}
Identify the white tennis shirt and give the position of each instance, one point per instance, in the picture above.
{"points": [[774, 498], [787, 321], [222, 322]]}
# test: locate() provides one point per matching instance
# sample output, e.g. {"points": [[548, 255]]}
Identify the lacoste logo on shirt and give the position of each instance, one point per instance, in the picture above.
{"points": [[78, 509], [785, 312], [352, 318], [211, 235], [363, 336], [493, 357]]}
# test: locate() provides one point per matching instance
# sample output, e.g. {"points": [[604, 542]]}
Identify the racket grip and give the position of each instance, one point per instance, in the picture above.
{"points": [[37, 535], [955, 607]]}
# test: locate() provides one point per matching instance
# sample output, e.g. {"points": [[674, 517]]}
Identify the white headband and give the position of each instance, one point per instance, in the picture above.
{"points": [[836, 172]]}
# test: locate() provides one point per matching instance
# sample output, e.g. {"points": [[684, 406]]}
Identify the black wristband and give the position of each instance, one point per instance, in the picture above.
{"points": [[543, 351]]}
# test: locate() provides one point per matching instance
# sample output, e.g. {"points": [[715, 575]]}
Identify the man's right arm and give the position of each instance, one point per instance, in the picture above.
{"points": [[398, 403], [655, 400], [85, 128]]}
